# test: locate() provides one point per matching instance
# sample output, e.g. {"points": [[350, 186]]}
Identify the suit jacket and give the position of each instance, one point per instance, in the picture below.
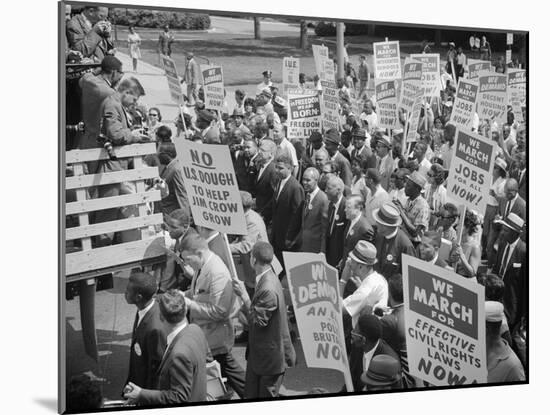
{"points": [[269, 348], [213, 299], [192, 74], [345, 168], [356, 362], [82, 38], [94, 91], [177, 195], [519, 207], [314, 224], [515, 282], [265, 185], [335, 234], [360, 231], [242, 172], [146, 350], [522, 184], [365, 154], [182, 372], [287, 215], [165, 43]]}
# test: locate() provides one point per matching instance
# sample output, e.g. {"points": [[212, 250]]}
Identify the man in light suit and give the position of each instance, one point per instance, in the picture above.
{"points": [[210, 300], [148, 334], [89, 33], [192, 76], [182, 371], [314, 214], [386, 164], [269, 349], [287, 201], [358, 227], [337, 221], [332, 141]]}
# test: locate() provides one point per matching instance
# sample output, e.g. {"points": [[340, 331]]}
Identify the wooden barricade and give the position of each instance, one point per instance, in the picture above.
{"points": [[149, 249]]}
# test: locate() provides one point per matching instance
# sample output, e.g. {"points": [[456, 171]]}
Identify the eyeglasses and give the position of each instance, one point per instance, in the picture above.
{"points": [[153, 115]]}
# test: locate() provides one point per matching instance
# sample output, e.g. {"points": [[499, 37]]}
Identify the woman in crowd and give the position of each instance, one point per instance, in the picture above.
{"points": [[435, 192], [154, 119], [467, 255], [134, 41], [496, 193]]}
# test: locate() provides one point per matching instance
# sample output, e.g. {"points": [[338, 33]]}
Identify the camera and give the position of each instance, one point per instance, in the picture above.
{"points": [[107, 145], [75, 128]]}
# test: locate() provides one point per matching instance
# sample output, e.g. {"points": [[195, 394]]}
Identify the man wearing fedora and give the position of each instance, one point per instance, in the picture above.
{"points": [[384, 373], [416, 213], [391, 241], [510, 265], [332, 141], [386, 164], [371, 288], [361, 149]]}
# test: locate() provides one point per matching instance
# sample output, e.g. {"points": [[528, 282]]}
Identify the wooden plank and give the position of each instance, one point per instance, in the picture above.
{"points": [[148, 262], [109, 256], [140, 187], [83, 219], [112, 226], [89, 180], [94, 154], [92, 205]]}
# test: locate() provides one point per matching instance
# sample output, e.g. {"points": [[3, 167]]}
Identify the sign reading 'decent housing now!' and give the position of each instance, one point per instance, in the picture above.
{"points": [[211, 186]]}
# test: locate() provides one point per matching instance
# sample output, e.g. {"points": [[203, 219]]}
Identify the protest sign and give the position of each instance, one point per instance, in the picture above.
{"points": [[476, 66], [211, 185], [313, 286], [431, 81], [320, 55], [412, 82], [464, 106], [386, 102], [213, 87], [329, 98], [291, 74], [414, 119], [492, 98], [304, 114], [517, 92], [508, 56], [174, 85], [471, 170], [509, 38], [444, 325], [387, 60]]}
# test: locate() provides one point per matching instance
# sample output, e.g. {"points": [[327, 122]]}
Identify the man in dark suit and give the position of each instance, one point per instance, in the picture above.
{"points": [[358, 227], [511, 266], [428, 249], [171, 172], [337, 221], [245, 168], [270, 349], [266, 180], [366, 337], [287, 201], [520, 174], [182, 371], [332, 141], [361, 150], [148, 334], [314, 214], [94, 90], [89, 33]]}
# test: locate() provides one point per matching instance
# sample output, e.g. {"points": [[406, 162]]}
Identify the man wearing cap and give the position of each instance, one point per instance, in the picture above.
{"points": [[287, 201], [266, 83], [332, 141], [95, 88], [428, 249], [337, 221], [191, 76], [384, 373], [285, 147], [503, 365], [391, 241], [314, 214], [416, 213], [366, 343], [510, 265], [266, 179], [363, 73], [362, 148], [377, 195], [386, 165]]}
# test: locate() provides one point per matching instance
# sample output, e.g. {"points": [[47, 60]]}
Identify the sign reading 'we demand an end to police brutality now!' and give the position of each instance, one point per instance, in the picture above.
{"points": [[444, 325], [317, 305], [211, 185], [471, 170]]}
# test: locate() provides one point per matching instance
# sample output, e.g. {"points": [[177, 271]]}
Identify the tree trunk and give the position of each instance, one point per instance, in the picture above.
{"points": [[303, 35], [437, 39], [257, 33]]}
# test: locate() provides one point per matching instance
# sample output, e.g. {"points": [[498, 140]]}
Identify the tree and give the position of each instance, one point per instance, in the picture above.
{"points": [[303, 35], [257, 33]]}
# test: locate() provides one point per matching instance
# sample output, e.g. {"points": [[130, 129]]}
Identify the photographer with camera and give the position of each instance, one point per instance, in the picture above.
{"points": [[90, 33], [117, 130]]}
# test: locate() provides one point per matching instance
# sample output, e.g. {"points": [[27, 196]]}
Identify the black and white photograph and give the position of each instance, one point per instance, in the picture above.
{"points": [[270, 207]]}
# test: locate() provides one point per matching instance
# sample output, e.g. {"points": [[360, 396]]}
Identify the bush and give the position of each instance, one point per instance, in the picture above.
{"points": [[329, 29], [157, 19], [325, 29]]}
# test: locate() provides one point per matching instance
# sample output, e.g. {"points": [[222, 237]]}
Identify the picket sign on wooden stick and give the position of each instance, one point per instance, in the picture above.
{"points": [[460, 228], [183, 119], [405, 133]]}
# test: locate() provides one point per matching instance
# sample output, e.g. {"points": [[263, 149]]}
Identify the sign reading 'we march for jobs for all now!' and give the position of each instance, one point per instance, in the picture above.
{"points": [[211, 186], [471, 170], [464, 107], [444, 325]]}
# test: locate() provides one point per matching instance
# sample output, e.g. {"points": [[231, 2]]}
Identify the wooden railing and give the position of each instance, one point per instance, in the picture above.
{"points": [[148, 249]]}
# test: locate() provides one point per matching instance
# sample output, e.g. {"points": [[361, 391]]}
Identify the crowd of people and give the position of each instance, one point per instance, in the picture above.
{"points": [[356, 193]]}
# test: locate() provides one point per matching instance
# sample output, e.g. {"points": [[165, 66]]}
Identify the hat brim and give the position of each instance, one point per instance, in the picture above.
{"points": [[377, 218], [360, 261], [502, 222], [369, 381], [408, 177]]}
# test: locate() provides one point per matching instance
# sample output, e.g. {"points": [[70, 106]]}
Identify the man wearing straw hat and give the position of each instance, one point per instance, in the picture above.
{"points": [[386, 164]]}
